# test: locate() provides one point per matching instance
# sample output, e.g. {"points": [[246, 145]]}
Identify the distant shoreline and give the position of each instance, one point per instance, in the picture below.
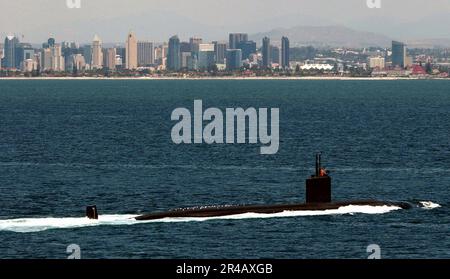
{"points": [[221, 78]]}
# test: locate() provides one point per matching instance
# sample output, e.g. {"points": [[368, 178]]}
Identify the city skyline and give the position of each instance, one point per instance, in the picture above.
{"points": [[155, 21]]}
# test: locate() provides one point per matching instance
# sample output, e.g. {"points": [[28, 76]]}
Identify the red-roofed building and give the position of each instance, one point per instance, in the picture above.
{"points": [[418, 70]]}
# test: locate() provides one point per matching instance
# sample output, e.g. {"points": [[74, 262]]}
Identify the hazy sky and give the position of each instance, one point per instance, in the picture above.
{"points": [[213, 19]]}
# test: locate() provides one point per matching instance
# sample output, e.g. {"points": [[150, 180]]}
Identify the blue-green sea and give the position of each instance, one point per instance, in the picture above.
{"points": [[68, 144]]}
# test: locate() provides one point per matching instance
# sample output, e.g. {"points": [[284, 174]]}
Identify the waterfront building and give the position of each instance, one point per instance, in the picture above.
{"points": [[234, 59], [266, 59], [145, 54], [206, 56], [221, 49], [285, 52], [398, 54], [174, 54], [131, 48], [97, 53], [247, 47]]}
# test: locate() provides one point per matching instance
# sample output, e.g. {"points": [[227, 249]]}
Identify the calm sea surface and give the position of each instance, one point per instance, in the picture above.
{"points": [[68, 144]]}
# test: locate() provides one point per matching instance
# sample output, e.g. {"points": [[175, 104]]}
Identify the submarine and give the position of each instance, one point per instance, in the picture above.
{"points": [[318, 197]]}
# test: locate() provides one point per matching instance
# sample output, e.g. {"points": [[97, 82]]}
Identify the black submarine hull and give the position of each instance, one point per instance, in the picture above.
{"points": [[263, 209]]}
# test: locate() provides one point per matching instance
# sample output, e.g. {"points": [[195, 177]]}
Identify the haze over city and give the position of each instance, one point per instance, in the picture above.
{"points": [[212, 20]]}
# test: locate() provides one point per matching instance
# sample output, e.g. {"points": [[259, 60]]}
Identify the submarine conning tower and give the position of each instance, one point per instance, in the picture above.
{"points": [[318, 186]]}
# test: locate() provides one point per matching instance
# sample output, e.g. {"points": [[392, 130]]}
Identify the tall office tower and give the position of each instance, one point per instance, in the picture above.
{"points": [[194, 43], [110, 59], [221, 50], [46, 60], [206, 56], [247, 47], [23, 52], [234, 59], [285, 60], [398, 54], [275, 54], [10, 47], [57, 59], [131, 52], [87, 53], [174, 54], [236, 38], [145, 54], [266, 52], [97, 54]]}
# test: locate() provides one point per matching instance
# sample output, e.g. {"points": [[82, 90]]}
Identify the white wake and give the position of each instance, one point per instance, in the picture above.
{"points": [[28, 225], [429, 205]]}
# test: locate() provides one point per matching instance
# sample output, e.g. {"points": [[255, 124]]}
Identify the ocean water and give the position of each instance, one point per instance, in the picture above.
{"points": [[68, 144]]}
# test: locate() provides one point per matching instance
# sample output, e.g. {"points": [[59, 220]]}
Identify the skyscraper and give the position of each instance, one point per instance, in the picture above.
{"points": [[398, 54], [206, 56], [247, 47], [285, 62], [87, 53], [145, 54], [221, 51], [174, 54], [266, 52], [194, 43], [131, 52], [11, 44], [110, 59], [275, 54], [97, 53], [236, 38], [57, 60], [46, 60], [234, 59]]}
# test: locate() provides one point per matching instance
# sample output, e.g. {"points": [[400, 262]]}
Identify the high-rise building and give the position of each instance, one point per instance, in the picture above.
{"points": [[57, 60], [266, 53], [110, 59], [174, 54], [236, 38], [285, 52], [194, 44], [206, 56], [234, 59], [275, 54], [97, 53], [131, 52], [46, 60], [247, 47], [221, 52], [145, 54], [398, 54], [10, 48], [87, 53], [185, 57]]}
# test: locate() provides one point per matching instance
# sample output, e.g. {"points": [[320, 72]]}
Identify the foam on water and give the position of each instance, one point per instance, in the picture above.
{"points": [[28, 225], [429, 205]]}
